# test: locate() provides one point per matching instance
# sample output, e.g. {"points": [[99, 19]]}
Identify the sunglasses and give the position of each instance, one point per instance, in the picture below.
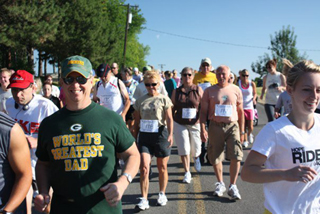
{"points": [[151, 84], [245, 75], [80, 79], [205, 65], [113, 67], [187, 75]]}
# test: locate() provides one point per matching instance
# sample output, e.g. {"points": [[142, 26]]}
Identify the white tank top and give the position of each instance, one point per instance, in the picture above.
{"points": [[272, 82], [247, 94], [110, 95]]}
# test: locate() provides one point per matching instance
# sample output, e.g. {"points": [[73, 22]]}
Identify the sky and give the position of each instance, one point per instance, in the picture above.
{"points": [[230, 32]]}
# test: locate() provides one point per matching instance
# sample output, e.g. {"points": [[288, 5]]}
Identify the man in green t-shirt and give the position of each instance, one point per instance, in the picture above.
{"points": [[77, 150]]}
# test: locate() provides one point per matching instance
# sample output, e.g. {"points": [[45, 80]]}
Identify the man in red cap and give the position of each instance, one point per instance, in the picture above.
{"points": [[28, 110]]}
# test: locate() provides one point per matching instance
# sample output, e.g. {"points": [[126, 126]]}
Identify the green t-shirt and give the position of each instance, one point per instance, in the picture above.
{"points": [[81, 148]]}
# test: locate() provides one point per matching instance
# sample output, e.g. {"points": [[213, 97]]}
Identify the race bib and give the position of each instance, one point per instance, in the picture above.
{"points": [[105, 99], [223, 110], [150, 126], [189, 113], [205, 85]]}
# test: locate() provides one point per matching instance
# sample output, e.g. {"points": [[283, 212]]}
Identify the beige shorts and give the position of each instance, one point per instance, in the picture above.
{"points": [[221, 134], [187, 139]]}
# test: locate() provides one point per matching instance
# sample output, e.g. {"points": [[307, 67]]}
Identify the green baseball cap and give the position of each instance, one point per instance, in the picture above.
{"points": [[78, 64]]}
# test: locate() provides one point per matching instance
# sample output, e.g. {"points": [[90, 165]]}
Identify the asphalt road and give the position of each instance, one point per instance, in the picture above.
{"points": [[197, 197]]}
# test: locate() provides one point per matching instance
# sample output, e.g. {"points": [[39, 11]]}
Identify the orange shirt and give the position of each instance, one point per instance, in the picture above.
{"points": [[221, 103]]}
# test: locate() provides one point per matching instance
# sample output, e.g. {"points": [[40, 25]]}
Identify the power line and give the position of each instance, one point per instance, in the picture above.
{"points": [[218, 42]]}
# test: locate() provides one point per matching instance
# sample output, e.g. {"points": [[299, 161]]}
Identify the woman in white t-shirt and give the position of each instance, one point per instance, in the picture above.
{"points": [[285, 154], [274, 83]]}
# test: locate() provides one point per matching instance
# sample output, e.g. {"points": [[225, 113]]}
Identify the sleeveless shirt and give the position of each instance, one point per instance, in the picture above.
{"points": [[247, 95], [183, 100], [7, 175]]}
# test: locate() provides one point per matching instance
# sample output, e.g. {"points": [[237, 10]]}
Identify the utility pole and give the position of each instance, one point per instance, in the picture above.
{"points": [[161, 66], [129, 19]]}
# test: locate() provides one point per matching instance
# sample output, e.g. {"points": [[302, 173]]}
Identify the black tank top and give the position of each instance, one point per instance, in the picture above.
{"points": [[7, 175]]}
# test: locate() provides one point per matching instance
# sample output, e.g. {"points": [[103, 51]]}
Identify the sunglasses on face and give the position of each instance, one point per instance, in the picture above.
{"points": [[244, 75], [113, 67], [205, 65], [187, 75], [80, 79], [151, 84]]}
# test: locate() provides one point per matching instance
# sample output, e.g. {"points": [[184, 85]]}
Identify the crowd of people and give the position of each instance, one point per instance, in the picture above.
{"points": [[208, 115]]}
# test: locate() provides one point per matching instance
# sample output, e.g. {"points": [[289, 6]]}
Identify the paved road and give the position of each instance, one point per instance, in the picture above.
{"points": [[196, 197]]}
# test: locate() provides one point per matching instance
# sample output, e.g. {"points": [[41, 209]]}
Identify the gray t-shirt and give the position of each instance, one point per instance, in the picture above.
{"points": [[285, 101], [4, 95]]}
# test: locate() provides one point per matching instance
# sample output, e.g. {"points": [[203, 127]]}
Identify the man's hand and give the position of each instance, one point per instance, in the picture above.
{"points": [[113, 193], [41, 202], [204, 135]]}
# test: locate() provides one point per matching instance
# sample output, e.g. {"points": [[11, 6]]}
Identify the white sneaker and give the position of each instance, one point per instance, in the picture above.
{"points": [[251, 139], [197, 164], [187, 178], [162, 200], [245, 144], [220, 189], [233, 192], [143, 204]]}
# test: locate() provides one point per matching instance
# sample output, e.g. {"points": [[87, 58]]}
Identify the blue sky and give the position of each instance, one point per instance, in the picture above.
{"points": [[248, 23]]}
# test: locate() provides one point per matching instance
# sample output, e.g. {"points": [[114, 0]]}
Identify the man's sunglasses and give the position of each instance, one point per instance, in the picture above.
{"points": [[151, 84], [80, 79], [187, 75], [245, 75]]}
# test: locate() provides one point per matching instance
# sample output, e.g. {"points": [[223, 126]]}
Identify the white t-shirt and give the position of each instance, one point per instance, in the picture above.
{"points": [[110, 95], [30, 119], [287, 146], [4, 95], [142, 90], [272, 82]]}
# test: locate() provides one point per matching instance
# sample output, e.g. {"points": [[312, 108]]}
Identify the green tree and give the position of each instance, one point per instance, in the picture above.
{"points": [[283, 45]]}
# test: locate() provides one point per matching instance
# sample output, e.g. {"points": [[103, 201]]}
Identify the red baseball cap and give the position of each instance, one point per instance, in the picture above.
{"points": [[20, 79]]}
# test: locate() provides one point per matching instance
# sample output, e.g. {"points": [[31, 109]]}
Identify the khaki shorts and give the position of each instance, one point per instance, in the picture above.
{"points": [[221, 134]]}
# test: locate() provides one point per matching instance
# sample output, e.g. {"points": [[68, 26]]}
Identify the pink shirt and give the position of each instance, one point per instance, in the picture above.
{"points": [[220, 100]]}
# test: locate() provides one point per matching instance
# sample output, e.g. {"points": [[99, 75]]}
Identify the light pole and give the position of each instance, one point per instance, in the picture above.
{"points": [[129, 20]]}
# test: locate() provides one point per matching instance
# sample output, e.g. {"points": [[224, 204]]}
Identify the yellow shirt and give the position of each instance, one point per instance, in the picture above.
{"points": [[201, 78]]}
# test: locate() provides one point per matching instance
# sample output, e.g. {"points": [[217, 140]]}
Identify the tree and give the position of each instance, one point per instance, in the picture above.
{"points": [[283, 45]]}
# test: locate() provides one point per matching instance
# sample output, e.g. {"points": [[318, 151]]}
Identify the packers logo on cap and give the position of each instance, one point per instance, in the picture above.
{"points": [[76, 62]]}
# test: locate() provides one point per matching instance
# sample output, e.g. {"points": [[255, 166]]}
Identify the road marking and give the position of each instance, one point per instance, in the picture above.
{"points": [[198, 194], [182, 205]]}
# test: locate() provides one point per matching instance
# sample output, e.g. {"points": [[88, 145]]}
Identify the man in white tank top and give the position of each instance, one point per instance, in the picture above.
{"points": [[111, 92]]}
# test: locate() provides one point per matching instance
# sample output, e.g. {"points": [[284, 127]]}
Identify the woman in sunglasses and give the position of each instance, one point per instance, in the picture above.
{"points": [[285, 154], [153, 121], [275, 83], [248, 89], [186, 100]]}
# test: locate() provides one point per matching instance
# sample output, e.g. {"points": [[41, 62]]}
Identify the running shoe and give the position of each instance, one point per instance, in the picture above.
{"points": [[251, 138], [162, 200], [233, 192], [245, 144], [187, 178], [143, 204], [220, 189], [197, 164]]}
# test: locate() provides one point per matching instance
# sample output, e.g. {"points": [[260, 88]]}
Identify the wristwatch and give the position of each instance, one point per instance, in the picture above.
{"points": [[242, 133], [2, 211], [129, 178]]}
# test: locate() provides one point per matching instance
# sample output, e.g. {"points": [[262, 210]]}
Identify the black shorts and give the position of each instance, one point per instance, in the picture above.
{"points": [[155, 144], [129, 115]]}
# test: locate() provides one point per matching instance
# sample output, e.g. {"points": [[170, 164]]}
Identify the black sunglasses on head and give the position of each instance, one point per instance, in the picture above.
{"points": [[80, 79], [187, 75], [151, 84]]}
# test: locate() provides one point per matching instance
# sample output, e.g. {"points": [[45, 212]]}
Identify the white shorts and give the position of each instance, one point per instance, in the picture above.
{"points": [[187, 139]]}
